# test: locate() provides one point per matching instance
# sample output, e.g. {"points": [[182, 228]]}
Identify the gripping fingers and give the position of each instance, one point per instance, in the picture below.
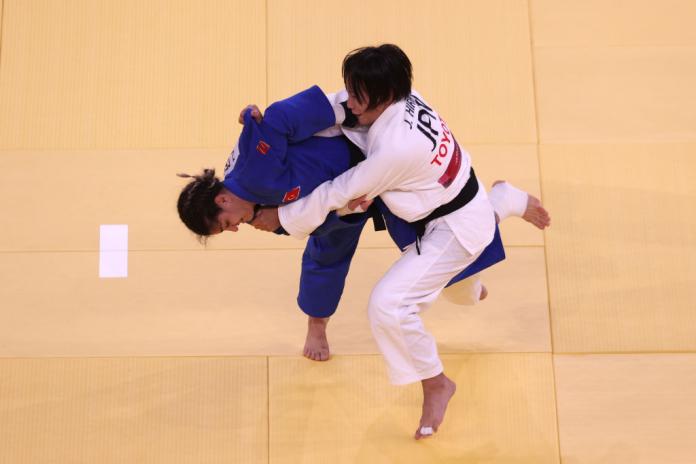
{"points": [[255, 113]]}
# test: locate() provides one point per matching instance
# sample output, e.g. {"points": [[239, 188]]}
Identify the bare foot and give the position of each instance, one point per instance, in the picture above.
{"points": [[316, 344], [484, 293], [437, 392], [536, 214], [510, 200]]}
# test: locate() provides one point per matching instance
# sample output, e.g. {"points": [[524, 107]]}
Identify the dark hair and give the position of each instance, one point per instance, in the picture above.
{"points": [[379, 73], [196, 205]]}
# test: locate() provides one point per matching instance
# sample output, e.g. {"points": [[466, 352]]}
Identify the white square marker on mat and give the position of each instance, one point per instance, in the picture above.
{"points": [[113, 250]]}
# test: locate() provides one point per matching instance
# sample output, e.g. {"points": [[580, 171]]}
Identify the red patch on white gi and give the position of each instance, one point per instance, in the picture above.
{"points": [[263, 147], [292, 195], [452, 168]]}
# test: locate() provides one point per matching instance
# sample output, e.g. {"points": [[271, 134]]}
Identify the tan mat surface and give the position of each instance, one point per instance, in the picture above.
{"points": [[622, 249], [82, 411], [589, 105], [607, 71], [237, 302], [563, 23], [155, 74], [598, 94], [627, 408], [503, 412]]}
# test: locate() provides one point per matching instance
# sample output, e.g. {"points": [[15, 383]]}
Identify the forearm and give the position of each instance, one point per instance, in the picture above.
{"points": [[370, 178]]}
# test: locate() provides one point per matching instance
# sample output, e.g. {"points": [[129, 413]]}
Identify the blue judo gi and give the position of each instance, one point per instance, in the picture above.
{"points": [[280, 160]]}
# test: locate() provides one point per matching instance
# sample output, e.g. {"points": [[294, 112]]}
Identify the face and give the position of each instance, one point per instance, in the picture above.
{"points": [[365, 117], [234, 212]]}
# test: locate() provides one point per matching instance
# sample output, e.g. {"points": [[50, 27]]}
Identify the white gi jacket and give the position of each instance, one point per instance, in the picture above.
{"points": [[414, 163]]}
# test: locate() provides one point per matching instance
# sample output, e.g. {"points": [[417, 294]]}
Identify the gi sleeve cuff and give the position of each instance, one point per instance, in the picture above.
{"points": [[291, 220], [335, 99]]}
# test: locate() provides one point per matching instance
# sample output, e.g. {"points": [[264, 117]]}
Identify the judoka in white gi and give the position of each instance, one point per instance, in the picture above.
{"points": [[414, 163]]}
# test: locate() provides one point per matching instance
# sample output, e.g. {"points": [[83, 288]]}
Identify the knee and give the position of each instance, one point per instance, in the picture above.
{"points": [[381, 309]]}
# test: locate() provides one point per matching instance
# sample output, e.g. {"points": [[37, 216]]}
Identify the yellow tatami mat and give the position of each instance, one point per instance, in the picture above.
{"points": [[83, 411], [155, 74], [345, 411], [609, 71], [583, 352], [627, 408], [238, 302], [616, 93], [450, 44], [1, 10], [76, 191], [622, 248], [601, 23]]}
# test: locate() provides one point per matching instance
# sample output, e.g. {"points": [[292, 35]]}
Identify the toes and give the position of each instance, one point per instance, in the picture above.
{"points": [[316, 355], [424, 432]]}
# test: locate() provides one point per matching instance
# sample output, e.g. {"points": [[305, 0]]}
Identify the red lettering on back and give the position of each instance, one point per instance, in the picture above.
{"points": [[443, 149]]}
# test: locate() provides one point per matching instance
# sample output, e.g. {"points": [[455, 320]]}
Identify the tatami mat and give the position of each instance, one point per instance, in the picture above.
{"points": [[503, 411], [626, 408], [601, 94], [155, 74], [76, 191], [142, 410], [1, 11], [569, 23], [588, 105], [610, 71], [237, 302], [472, 59], [622, 248]]}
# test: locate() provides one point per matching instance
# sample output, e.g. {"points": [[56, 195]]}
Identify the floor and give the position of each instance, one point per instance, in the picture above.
{"points": [[584, 352]]}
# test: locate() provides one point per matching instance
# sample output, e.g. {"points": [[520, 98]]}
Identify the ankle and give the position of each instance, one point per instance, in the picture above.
{"points": [[439, 381], [318, 321]]}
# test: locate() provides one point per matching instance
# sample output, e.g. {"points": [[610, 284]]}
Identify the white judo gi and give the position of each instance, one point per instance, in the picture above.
{"points": [[414, 163]]}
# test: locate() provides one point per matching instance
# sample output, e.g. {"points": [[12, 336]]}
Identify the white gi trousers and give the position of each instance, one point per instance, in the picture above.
{"points": [[410, 286]]}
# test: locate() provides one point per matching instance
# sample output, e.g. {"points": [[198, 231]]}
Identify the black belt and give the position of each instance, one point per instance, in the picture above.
{"points": [[465, 195], [373, 211]]}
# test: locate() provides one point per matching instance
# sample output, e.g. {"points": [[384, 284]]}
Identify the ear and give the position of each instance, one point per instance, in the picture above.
{"points": [[220, 199]]}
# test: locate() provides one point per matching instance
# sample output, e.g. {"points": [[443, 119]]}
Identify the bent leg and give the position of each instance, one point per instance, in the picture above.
{"points": [[410, 286], [325, 264]]}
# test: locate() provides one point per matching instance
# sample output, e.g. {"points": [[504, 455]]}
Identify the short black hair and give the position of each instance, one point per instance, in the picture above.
{"points": [[380, 73], [196, 205]]}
